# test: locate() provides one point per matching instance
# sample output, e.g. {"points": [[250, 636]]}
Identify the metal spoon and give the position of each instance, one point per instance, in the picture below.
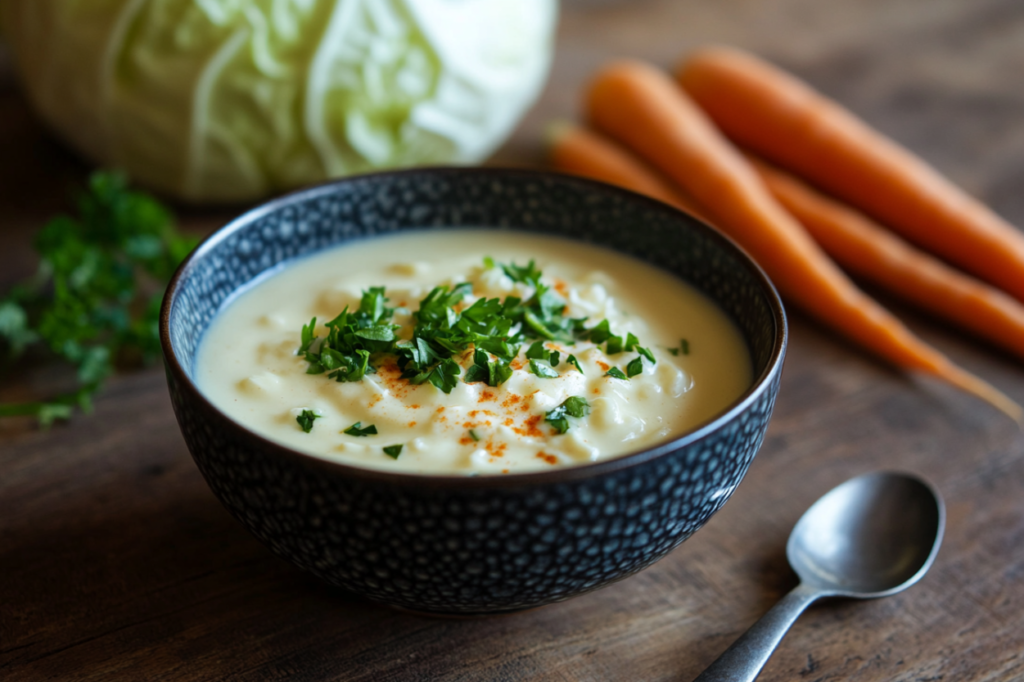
{"points": [[870, 537]]}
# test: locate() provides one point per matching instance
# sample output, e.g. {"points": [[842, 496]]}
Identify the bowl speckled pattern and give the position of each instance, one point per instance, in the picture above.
{"points": [[472, 545]]}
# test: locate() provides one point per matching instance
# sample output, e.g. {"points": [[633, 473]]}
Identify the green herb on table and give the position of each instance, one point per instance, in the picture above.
{"points": [[393, 451], [357, 429], [94, 302], [574, 406], [306, 419]]}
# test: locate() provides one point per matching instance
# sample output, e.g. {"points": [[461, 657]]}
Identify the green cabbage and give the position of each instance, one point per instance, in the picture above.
{"points": [[230, 100]]}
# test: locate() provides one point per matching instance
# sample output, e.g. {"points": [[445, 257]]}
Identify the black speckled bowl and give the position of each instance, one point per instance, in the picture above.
{"points": [[472, 545]]}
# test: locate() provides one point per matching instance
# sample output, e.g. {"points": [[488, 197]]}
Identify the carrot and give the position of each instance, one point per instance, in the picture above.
{"points": [[785, 121], [578, 151], [642, 108], [868, 250], [854, 241]]}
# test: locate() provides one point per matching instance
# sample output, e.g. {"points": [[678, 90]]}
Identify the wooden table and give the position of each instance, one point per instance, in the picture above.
{"points": [[116, 562]]}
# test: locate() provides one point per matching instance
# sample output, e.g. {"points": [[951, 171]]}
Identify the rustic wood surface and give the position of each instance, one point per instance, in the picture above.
{"points": [[116, 562]]}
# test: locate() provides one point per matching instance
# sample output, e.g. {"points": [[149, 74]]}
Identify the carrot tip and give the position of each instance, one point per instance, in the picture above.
{"points": [[987, 392]]}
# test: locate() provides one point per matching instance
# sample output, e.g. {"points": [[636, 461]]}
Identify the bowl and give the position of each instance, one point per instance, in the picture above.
{"points": [[481, 544]]}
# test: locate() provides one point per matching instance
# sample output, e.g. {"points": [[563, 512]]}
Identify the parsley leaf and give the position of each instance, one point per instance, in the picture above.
{"points": [[306, 419], [528, 274], [94, 303], [573, 406], [393, 451], [543, 371], [474, 435], [635, 366], [358, 430], [615, 373], [493, 373], [575, 363]]}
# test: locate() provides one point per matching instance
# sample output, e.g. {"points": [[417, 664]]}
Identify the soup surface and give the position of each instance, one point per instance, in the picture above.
{"points": [[471, 352]]}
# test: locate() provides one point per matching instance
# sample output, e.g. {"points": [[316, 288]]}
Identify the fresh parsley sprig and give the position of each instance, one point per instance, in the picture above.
{"points": [[351, 339], [306, 419], [573, 406], [94, 302]]}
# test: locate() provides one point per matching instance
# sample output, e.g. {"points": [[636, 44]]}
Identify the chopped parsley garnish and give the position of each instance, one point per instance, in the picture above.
{"points": [[542, 370], [94, 302], [473, 434], [491, 372], [635, 366], [528, 274], [684, 346], [575, 363], [352, 337], [574, 406], [306, 419], [444, 328], [358, 430], [393, 451], [615, 373]]}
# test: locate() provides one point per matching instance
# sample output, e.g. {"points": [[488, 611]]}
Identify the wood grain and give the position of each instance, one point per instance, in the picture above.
{"points": [[116, 562]]}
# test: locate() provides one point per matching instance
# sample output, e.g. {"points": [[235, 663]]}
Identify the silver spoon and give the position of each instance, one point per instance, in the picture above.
{"points": [[870, 537]]}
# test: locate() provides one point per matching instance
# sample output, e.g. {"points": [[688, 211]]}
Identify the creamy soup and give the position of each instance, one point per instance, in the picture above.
{"points": [[580, 354]]}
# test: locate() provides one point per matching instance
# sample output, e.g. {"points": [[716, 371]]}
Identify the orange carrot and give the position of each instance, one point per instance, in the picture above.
{"points": [[853, 240], [578, 151], [867, 249], [642, 108], [785, 121]]}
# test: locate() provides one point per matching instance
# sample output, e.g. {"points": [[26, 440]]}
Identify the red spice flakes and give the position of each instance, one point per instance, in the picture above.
{"points": [[518, 363], [440, 409], [485, 395], [391, 378], [412, 407], [604, 366], [466, 440], [561, 287], [504, 471], [509, 421], [550, 459], [511, 401], [374, 400], [495, 449], [412, 424], [529, 427]]}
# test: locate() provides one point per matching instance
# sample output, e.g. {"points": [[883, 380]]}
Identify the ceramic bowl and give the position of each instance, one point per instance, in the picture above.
{"points": [[483, 544]]}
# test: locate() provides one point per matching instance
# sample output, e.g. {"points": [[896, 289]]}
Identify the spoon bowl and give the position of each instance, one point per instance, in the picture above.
{"points": [[871, 536]]}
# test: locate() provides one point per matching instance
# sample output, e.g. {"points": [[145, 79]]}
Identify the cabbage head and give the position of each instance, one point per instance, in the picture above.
{"points": [[231, 100]]}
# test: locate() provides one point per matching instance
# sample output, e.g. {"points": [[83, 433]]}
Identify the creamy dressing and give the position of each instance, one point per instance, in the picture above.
{"points": [[248, 366]]}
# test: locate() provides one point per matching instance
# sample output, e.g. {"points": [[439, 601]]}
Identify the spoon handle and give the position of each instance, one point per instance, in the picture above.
{"points": [[742, 662]]}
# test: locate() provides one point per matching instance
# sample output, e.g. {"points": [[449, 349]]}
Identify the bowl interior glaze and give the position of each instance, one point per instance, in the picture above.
{"points": [[431, 543]]}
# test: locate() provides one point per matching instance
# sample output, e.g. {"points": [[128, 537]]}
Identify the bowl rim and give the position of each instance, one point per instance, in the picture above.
{"points": [[565, 474]]}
